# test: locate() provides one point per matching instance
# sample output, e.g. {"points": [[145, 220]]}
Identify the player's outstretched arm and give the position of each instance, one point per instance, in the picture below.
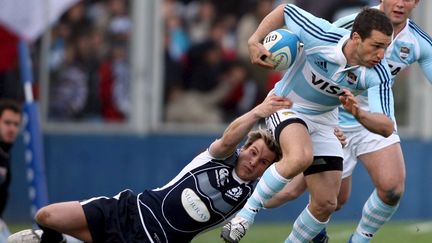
{"points": [[274, 20], [239, 128], [374, 122]]}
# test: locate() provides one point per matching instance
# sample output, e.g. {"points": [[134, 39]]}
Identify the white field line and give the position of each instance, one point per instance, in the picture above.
{"points": [[420, 228]]}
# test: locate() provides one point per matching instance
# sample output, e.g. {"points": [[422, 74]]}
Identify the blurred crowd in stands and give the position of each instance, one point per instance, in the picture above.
{"points": [[208, 76]]}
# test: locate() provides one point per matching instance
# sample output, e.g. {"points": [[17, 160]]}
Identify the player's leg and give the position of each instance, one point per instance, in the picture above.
{"points": [[296, 157], [345, 192], [323, 188], [387, 170], [295, 188], [350, 154], [67, 218], [295, 154]]}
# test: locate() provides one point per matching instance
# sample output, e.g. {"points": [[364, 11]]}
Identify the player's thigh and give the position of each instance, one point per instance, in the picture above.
{"points": [[65, 217], [290, 130], [386, 166], [295, 141]]}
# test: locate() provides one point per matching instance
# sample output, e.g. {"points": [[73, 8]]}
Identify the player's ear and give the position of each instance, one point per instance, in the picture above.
{"points": [[355, 37]]}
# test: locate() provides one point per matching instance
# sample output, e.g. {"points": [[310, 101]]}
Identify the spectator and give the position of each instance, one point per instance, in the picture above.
{"points": [[9, 86], [248, 23], [10, 120], [68, 89], [115, 84]]}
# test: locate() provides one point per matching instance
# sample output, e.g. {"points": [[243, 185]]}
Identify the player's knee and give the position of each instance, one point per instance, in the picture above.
{"points": [[391, 193], [325, 207], [43, 216], [392, 196], [301, 160]]}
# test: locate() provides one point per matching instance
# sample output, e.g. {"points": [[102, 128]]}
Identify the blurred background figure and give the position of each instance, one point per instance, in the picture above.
{"points": [[9, 87], [332, 10], [10, 121]]}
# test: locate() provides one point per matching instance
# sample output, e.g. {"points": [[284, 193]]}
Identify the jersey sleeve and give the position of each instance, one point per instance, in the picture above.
{"points": [[380, 95], [346, 22], [311, 30], [425, 60]]}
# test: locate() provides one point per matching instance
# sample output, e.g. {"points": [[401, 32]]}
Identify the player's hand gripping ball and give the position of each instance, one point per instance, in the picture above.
{"points": [[284, 46]]}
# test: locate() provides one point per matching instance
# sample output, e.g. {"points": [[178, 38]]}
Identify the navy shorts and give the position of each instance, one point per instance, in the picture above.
{"points": [[116, 219]]}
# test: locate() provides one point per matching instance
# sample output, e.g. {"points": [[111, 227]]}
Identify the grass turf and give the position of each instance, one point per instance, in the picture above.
{"points": [[339, 232]]}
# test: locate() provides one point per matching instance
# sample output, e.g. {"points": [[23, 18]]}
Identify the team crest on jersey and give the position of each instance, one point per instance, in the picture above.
{"points": [[222, 177], [351, 78], [234, 193], [404, 52]]}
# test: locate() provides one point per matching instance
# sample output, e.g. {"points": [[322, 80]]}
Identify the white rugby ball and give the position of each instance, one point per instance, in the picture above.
{"points": [[284, 46]]}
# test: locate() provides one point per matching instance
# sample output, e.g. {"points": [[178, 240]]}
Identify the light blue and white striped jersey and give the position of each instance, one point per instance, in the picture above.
{"points": [[411, 45], [316, 79]]}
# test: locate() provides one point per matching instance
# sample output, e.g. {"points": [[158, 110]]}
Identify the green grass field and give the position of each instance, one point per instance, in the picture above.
{"points": [[395, 232], [399, 232]]}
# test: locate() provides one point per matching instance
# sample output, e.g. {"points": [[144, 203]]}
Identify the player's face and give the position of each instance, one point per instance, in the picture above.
{"points": [[9, 126], [254, 160], [371, 50], [398, 10]]}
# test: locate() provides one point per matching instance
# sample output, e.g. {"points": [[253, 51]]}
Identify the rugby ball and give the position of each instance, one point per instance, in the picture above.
{"points": [[284, 46]]}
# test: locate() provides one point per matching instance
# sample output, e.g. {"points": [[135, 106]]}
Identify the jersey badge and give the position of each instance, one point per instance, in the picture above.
{"points": [[351, 78], [404, 52], [234, 193], [222, 177]]}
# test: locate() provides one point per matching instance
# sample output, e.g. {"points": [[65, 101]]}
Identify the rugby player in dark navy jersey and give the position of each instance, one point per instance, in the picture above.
{"points": [[210, 189]]}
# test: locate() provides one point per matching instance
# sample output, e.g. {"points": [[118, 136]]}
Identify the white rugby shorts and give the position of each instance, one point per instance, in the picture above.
{"points": [[363, 142], [324, 141]]}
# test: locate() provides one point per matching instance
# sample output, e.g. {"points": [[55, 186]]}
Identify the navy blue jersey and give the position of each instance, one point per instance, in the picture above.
{"points": [[204, 194]]}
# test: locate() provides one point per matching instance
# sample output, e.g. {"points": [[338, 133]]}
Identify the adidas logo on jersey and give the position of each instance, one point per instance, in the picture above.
{"points": [[321, 64]]}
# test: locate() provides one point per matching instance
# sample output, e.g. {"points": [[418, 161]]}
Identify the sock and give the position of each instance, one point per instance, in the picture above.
{"points": [[375, 214], [305, 228], [50, 235], [271, 182]]}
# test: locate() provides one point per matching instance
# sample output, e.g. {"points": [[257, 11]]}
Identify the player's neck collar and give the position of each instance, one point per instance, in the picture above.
{"points": [[237, 178]]}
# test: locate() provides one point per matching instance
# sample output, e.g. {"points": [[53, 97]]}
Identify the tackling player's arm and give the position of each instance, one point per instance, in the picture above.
{"points": [[240, 127], [377, 123]]}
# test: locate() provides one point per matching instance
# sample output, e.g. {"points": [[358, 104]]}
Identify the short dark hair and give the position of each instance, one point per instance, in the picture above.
{"points": [[371, 19], [7, 104]]}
